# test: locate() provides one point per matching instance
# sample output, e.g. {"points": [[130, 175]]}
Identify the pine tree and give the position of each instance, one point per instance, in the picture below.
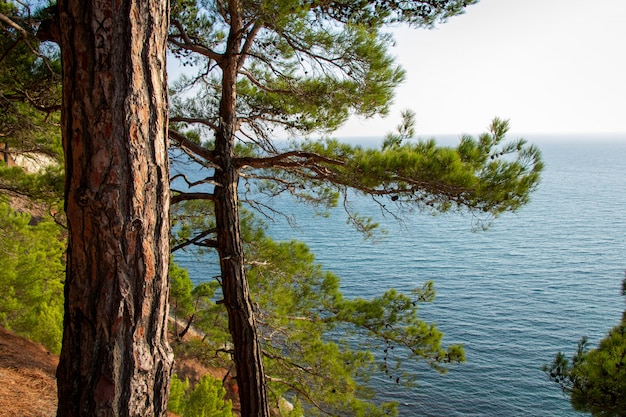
{"points": [[304, 68], [319, 348], [115, 359], [595, 379]]}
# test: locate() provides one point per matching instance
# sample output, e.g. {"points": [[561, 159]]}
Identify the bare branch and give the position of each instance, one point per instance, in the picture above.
{"points": [[301, 392], [14, 25], [208, 180], [189, 45], [191, 120], [259, 84], [45, 109], [194, 147], [23, 38], [248, 44], [307, 50], [287, 159], [263, 209], [198, 240], [284, 360], [191, 196]]}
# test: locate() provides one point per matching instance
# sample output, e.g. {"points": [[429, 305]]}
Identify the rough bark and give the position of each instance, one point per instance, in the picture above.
{"points": [[115, 359], [241, 321]]}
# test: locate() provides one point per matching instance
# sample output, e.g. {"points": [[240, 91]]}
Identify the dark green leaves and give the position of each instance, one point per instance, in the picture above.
{"points": [[483, 175], [595, 379], [381, 12]]}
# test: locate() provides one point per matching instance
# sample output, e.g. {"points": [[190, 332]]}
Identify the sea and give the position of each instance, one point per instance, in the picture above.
{"points": [[514, 295]]}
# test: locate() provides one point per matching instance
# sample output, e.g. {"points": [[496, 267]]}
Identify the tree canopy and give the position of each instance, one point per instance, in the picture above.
{"points": [[30, 96], [265, 69], [306, 67], [30, 82]]}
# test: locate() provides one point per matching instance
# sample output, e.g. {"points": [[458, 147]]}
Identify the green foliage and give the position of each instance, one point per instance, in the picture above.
{"points": [[30, 85], [45, 186], [304, 68], [181, 287], [405, 130], [415, 13], [31, 277], [205, 399], [197, 307], [481, 175], [30, 97], [187, 218], [485, 176], [319, 347], [382, 316], [178, 389], [595, 379], [322, 346]]}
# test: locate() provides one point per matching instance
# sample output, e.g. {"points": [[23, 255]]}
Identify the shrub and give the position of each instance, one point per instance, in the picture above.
{"points": [[206, 399]]}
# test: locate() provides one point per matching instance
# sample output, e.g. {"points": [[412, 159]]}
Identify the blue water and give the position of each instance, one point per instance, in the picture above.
{"points": [[514, 295]]}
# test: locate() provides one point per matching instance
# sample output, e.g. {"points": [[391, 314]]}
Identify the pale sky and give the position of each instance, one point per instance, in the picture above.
{"points": [[550, 66]]}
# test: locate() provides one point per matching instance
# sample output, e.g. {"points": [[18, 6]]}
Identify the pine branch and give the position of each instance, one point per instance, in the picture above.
{"points": [[285, 160], [189, 45], [192, 146], [4, 18]]}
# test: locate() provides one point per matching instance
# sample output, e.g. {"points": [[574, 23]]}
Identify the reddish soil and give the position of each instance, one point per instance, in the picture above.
{"points": [[28, 383]]}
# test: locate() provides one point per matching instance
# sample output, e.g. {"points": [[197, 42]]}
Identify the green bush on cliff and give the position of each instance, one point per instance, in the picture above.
{"points": [[205, 399], [31, 278]]}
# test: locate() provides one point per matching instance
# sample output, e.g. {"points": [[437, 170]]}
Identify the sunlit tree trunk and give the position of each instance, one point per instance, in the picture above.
{"points": [[115, 359], [241, 321]]}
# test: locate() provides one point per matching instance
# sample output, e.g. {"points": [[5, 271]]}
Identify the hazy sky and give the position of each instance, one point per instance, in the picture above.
{"points": [[550, 66]]}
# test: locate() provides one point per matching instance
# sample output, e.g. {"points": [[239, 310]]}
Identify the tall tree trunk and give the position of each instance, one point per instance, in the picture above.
{"points": [[241, 321], [115, 359]]}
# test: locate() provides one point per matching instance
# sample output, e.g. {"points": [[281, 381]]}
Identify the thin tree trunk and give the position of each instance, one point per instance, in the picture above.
{"points": [[6, 154], [115, 359], [241, 321]]}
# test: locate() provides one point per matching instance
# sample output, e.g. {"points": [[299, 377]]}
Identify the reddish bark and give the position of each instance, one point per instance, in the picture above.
{"points": [[115, 359], [241, 321]]}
